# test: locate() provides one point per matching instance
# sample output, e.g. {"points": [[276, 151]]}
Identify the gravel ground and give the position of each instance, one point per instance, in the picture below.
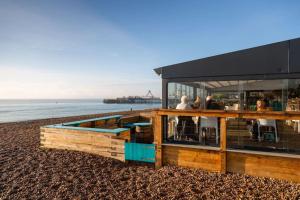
{"points": [[28, 172]]}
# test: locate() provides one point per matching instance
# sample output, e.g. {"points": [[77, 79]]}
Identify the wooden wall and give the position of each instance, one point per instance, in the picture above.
{"points": [[190, 157], [111, 123], [103, 144], [86, 124], [252, 164], [264, 166]]}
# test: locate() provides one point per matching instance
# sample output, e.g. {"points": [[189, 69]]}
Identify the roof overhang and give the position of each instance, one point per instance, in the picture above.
{"points": [[276, 59]]}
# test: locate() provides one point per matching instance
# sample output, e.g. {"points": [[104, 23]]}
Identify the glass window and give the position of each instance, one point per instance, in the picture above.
{"points": [[282, 136], [248, 95], [176, 91], [272, 95], [218, 95], [193, 130], [293, 95], [259, 95]]}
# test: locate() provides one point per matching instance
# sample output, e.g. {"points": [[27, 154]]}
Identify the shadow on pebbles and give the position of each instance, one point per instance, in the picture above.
{"points": [[28, 172]]}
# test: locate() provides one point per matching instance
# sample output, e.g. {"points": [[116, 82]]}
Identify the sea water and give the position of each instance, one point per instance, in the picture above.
{"points": [[22, 110]]}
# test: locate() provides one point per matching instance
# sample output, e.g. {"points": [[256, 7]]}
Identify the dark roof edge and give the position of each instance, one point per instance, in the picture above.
{"points": [[158, 70]]}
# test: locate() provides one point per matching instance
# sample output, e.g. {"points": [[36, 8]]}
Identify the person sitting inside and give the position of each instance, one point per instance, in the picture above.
{"points": [[261, 106], [184, 104], [197, 103], [211, 104], [262, 125], [186, 125]]}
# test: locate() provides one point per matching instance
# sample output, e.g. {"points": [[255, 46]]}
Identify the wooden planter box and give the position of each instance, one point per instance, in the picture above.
{"points": [[101, 136], [82, 136]]}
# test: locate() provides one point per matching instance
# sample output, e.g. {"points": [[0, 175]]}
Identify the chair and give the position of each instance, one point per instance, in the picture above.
{"points": [[296, 125], [267, 123], [185, 127], [172, 124], [210, 122]]}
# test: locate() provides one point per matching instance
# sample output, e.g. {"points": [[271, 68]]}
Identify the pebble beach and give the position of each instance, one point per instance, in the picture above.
{"points": [[30, 172]]}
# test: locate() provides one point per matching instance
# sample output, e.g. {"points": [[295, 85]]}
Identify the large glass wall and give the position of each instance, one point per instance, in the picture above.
{"points": [[237, 95], [249, 95]]}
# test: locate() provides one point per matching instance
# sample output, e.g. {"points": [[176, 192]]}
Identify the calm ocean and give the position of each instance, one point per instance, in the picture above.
{"points": [[21, 110]]}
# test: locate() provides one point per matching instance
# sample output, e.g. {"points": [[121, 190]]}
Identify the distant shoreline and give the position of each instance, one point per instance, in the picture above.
{"points": [[88, 116], [17, 111]]}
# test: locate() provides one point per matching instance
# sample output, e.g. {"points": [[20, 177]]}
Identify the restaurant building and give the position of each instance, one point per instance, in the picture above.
{"points": [[246, 117]]}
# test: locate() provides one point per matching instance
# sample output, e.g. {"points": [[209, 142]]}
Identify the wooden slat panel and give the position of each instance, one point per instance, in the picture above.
{"points": [[102, 144], [264, 166], [85, 124], [190, 157], [69, 131], [87, 140], [130, 119], [96, 143], [82, 147], [144, 134], [146, 115], [106, 123], [125, 135], [78, 146], [114, 155], [70, 135]]}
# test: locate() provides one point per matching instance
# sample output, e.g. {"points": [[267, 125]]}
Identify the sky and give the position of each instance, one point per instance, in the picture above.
{"points": [[52, 49]]}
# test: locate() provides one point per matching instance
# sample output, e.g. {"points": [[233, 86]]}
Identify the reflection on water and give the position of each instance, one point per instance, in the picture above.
{"points": [[21, 110]]}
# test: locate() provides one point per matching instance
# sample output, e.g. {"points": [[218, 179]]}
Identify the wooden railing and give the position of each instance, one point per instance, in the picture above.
{"points": [[160, 113], [287, 115]]}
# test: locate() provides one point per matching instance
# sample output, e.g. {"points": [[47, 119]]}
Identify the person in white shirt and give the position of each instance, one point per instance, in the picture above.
{"points": [[184, 104], [185, 125]]}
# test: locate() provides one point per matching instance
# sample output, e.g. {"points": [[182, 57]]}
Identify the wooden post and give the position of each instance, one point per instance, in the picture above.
{"points": [[223, 145], [158, 140]]}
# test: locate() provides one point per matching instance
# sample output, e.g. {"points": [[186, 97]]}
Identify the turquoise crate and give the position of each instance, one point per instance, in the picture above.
{"points": [[140, 152]]}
